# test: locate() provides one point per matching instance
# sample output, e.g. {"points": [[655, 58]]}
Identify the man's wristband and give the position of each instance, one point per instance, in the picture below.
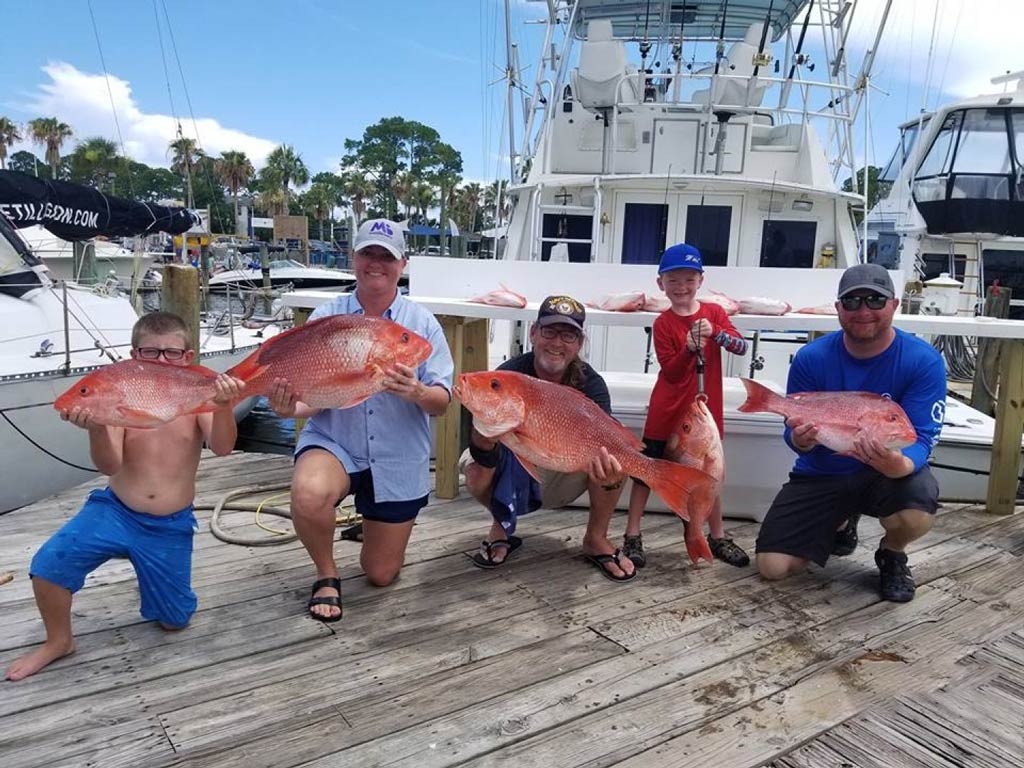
{"points": [[488, 459]]}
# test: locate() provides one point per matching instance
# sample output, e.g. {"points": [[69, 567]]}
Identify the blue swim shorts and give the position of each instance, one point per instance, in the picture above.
{"points": [[158, 546]]}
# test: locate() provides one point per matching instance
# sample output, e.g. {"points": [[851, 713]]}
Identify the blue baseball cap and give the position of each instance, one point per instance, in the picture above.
{"points": [[681, 256]]}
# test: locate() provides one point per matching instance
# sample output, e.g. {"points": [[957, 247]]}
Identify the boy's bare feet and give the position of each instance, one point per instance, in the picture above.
{"points": [[46, 653]]}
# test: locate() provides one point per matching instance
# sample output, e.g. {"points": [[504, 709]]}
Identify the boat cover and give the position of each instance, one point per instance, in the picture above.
{"points": [[77, 212]]}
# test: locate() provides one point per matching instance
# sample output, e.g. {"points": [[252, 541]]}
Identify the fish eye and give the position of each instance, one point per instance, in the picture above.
{"points": [[405, 338], [495, 384], [83, 390], [686, 428]]}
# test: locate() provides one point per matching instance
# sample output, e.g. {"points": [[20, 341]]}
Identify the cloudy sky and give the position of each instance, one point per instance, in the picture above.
{"points": [[256, 75]]}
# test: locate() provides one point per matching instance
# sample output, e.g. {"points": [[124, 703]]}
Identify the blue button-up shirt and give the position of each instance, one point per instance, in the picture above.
{"points": [[385, 434]]}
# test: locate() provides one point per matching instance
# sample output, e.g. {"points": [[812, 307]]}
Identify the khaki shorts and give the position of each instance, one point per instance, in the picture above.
{"points": [[558, 489]]}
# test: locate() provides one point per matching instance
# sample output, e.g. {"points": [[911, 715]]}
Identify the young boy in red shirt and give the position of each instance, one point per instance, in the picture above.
{"points": [[683, 333]]}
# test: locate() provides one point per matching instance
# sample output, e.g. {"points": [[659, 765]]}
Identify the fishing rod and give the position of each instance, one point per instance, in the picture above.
{"points": [[798, 57], [764, 39], [720, 48]]}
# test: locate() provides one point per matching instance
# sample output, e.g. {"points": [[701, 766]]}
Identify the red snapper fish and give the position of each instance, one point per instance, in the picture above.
{"points": [[695, 443], [630, 301], [141, 394], [731, 306], [656, 304], [332, 362], [501, 298], [821, 309], [762, 305], [839, 416], [556, 427]]}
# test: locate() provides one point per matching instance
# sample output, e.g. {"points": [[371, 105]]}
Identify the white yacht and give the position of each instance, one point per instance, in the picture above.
{"points": [[107, 258], [283, 272]]}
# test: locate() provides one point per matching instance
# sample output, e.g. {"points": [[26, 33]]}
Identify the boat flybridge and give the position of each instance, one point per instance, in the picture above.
{"points": [[953, 196]]}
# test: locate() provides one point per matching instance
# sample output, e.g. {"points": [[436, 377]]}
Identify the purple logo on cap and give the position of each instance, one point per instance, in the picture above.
{"points": [[382, 226]]}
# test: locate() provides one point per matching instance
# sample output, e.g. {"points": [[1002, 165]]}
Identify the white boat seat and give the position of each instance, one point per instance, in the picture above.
{"points": [[602, 69], [740, 63]]}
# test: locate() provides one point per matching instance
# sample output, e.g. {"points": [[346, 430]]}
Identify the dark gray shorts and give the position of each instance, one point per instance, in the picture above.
{"points": [[807, 511]]}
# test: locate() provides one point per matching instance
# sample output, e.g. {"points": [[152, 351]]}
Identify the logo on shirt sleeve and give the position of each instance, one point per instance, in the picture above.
{"points": [[939, 411]]}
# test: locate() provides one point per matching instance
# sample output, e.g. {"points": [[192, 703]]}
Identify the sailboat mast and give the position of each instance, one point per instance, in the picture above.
{"points": [[510, 94]]}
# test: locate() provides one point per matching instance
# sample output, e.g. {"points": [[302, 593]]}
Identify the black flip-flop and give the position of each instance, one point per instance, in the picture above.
{"points": [[600, 561], [480, 560], [334, 601]]}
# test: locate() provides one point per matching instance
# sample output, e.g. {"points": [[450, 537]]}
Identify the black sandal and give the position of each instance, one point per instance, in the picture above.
{"points": [[486, 559], [333, 601]]}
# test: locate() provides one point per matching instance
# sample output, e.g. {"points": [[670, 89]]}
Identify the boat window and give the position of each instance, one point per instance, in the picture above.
{"points": [[567, 228], [707, 230], [644, 229], [940, 155], [982, 147], [908, 138], [788, 243], [1007, 267], [934, 264]]}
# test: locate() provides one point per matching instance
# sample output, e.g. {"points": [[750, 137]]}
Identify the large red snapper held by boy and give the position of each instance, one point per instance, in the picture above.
{"points": [[555, 427], [332, 362], [695, 443], [839, 416], [141, 394]]}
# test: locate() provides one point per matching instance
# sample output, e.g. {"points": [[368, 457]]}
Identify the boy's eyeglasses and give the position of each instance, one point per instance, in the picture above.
{"points": [[569, 337], [872, 301], [153, 353]]}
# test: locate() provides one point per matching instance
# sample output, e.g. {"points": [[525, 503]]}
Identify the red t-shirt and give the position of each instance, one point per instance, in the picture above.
{"points": [[676, 386]]}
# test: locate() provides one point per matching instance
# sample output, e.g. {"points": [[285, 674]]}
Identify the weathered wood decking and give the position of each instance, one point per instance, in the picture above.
{"points": [[539, 663]]}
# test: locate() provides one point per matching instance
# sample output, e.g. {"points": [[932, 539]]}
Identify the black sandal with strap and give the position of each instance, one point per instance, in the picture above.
{"points": [[334, 601]]}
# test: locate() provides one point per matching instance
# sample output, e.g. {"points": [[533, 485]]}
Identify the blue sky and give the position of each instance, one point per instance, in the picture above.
{"points": [[312, 73]]}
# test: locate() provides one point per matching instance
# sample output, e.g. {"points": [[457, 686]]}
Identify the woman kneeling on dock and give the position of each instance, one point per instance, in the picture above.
{"points": [[378, 450]]}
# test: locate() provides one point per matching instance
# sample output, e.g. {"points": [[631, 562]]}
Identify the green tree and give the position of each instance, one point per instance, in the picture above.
{"points": [[318, 202], [10, 133], [25, 162], [235, 171], [875, 191], [491, 195], [184, 153], [286, 165], [358, 189], [391, 146], [95, 161], [423, 198], [445, 174], [50, 133]]}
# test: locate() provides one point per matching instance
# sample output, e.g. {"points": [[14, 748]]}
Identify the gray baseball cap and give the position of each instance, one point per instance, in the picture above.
{"points": [[382, 232], [872, 277]]}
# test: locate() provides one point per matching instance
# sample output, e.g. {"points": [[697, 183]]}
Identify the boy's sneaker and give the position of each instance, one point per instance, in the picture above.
{"points": [[633, 548], [896, 582], [728, 551], [846, 538]]}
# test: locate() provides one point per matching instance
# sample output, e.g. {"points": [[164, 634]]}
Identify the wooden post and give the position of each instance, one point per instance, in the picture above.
{"points": [[1005, 466], [179, 294], [467, 340], [986, 368], [204, 277]]}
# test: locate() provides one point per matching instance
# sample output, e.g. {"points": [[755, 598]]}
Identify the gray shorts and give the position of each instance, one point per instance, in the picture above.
{"points": [[558, 489]]}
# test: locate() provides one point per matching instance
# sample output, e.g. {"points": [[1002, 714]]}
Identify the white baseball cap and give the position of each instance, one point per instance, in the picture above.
{"points": [[382, 232]]}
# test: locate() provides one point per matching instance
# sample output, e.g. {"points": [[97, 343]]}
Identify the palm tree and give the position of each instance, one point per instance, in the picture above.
{"points": [[287, 165], [185, 153], [359, 189], [95, 160], [50, 133], [319, 202], [469, 204], [401, 187], [234, 169], [423, 197], [9, 134]]}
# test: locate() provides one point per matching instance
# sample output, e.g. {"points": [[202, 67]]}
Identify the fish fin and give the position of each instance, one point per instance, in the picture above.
{"points": [[697, 548], [531, 469], [674, 482], [146, 419], [760, 399]]}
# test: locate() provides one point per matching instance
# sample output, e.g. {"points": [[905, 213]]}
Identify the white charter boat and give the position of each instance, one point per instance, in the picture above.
{"points": [[738, 154]]}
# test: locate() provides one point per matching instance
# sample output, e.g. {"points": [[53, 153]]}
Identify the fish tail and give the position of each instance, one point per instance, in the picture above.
{"points": [[759, 398], [697, 548], [674, 482]]}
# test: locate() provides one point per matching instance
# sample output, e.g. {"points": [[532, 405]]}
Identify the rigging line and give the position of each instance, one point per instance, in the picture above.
{"points": [[48, 453], [163, 59], [191, 112], [110, 93], [949, 54], [104, 344]]}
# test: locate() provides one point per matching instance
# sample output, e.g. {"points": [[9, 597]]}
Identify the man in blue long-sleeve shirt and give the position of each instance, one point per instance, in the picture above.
{"points": [[815, 514]]}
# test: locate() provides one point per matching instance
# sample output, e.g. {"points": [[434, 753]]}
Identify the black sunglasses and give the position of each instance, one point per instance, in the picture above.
{"points": [[153, 353], [872, 301]]}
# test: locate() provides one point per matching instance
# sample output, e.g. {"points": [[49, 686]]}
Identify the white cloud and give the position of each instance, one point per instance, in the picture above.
{"points": [[975, 40], [82, 101]]}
